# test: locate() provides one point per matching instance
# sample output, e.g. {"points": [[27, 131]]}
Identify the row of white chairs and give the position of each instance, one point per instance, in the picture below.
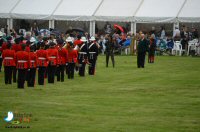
{"points": [[192, 45]]}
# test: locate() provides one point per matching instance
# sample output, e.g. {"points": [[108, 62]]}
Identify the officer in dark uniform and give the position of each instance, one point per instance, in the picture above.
{"points": [[109, 50], [93, 53], [142, 49], [82, 56]]}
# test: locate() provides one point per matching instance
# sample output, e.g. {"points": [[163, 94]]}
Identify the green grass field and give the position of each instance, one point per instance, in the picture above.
{"points": [[163, 97]]}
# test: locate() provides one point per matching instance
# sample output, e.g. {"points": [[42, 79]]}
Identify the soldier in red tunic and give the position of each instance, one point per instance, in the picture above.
{"points": [[62, 59], [22, 61], [53, 62], [8, 56], [72, 60], [16, 47], [32, 67], [42, 62]]}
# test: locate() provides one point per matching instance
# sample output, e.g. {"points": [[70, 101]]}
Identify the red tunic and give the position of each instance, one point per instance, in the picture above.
{"points": [[8, 56], [53, 56], [27, 49], [42, 57], [33, 60], [4, 46], [72, 56], [17, 47], [62, 56], [22, 60], [77, 42]]}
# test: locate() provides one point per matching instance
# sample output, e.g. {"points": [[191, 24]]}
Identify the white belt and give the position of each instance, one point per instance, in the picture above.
{"points": [[92, 52], [21, 61], [41, 58], [82, 52], [8, 58], [52, 57], [32, 61]]}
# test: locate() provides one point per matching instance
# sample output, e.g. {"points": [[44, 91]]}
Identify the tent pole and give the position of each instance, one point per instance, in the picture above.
{"points": [[93, 28], [8, 23], [50, 24], [133, 27], [53, 24], [91, 24]]}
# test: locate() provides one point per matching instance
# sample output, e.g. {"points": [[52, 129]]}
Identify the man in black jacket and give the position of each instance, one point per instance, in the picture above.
{"points": [[142, 49]]}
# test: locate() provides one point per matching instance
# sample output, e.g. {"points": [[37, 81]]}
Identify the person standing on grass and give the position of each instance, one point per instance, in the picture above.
{"points": [[53, 62], [71, 60], [32, 67], [142, 49], [62, 59], [152, 49], [22, 61], [82, 56], [110, 49], [8, 56], [42, 62], [16, 47], [93, 53]]}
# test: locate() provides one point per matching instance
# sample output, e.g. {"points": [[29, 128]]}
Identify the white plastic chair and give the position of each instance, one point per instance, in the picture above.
{"points": [[192, 45], [177, 49]]}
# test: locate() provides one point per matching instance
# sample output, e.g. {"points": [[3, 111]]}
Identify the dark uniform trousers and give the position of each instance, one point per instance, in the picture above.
{"points": [[8, 74], [41, 73], [108, 54], [21, 77], [82, 68], [14, 74], [71, 70], [31, 77], [1, 60], [141, 59], [51, 73], [92, 65], [82, 64], [66, 68], [60, 73]]}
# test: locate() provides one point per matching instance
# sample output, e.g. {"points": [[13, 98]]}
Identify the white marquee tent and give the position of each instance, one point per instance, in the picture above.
{"points": [[134, 11]]}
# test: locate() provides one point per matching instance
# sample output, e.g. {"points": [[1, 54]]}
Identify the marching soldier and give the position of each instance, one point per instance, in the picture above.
{"points": [[32, 67], [82, 56], [62, 59], [42, 62], [22, 60], [93, 53], [53, 62], [71, 60], [9, 62]]}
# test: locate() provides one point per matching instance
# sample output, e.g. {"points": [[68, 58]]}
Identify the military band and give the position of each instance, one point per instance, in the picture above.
{"points": [[23, 58]]}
